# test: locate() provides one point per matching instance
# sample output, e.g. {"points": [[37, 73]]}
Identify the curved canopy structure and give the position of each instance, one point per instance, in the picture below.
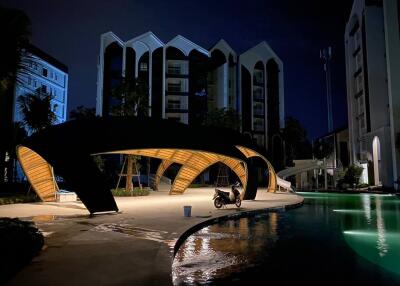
{"points": [[69, 149]]}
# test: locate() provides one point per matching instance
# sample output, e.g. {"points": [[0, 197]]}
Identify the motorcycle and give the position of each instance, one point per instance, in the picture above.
{"points": [[222, 198]]}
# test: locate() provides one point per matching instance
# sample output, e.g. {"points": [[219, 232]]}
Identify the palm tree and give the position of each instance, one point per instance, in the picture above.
{"points": [[14, 28], [36, 110]]}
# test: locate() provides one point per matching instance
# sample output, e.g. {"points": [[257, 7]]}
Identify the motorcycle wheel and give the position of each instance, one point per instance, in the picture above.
{"points": [[238, 202], [218, 203]]}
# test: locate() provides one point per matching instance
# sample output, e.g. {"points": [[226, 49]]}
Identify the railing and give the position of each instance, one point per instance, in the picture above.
{"points": [[258, 111], [258, 127], [174, 106], [258, 96], [174, 87], [174, 70], [258, 81]]}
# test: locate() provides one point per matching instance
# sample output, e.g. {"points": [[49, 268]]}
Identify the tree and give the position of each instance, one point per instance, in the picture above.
{"points": [[15, 31], [36, 110], [223, 117], [133, 96], [82, 112], [296, 142], [322, 149], [134, 99]]}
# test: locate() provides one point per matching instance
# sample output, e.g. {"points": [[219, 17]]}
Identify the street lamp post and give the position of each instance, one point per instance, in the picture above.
{"points": [[326, 56]]}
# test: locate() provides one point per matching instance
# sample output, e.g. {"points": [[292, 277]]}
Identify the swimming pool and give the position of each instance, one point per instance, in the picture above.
{"points": [[332, 239]]}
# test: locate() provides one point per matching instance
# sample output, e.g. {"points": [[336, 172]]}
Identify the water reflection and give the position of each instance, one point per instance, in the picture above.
{"points": [[219, 251], [375, 235], [356, 235], [366, 199], [380, 225]]}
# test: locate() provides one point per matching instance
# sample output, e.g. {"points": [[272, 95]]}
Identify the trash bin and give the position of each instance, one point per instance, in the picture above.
{"points": [[187, 211]]}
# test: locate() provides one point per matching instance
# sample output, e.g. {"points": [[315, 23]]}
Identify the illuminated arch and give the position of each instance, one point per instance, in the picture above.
{"points": [[193, 163], [272, 184], [39, 173], [164, 165]]}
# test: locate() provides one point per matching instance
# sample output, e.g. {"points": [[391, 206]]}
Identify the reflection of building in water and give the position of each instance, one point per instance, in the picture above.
{"points": [[366, 202], [382, 245], [235, 237]]}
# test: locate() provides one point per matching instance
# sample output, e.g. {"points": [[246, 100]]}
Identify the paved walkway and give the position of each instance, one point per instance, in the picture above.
{"points": [[134, 247]]}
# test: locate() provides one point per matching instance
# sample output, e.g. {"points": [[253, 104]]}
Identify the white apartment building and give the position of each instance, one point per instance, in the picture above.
{"points": [[47, 74], [186, 81], [372, 43]]}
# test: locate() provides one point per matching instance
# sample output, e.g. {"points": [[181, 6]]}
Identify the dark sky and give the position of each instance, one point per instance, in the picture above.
{"points": [[295, 29]]}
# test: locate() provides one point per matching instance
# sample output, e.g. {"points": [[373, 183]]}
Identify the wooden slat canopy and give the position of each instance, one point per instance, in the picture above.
{"points": [[193, 163], [160, 171], [39, 173], [272, 184]]}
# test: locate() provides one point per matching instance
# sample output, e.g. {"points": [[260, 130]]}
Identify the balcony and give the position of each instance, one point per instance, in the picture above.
{"points": [[258, 81], [258, 111], [174, 105], [259, 125], [258, 95], [174, 87], [176, 71]]}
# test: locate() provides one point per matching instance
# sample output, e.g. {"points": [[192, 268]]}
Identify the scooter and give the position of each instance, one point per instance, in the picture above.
{"points": [[222, 198]]}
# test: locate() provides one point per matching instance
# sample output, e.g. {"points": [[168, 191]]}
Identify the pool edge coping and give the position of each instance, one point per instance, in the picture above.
{"points": [[248, 213]]}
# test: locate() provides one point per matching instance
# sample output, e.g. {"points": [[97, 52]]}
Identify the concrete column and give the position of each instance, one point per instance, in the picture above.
{"points": [[222, 87], [164, 61], [393, 71], [266, 131], [100, 75], [123, 61], [150, 79]]}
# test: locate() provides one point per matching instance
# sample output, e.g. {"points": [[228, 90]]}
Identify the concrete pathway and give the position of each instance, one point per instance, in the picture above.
{"points": [[134, 247]]}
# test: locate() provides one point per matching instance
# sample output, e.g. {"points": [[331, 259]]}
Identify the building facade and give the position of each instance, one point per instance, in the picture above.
{"points": [[372, 43], [43, 72], [186, 81]]}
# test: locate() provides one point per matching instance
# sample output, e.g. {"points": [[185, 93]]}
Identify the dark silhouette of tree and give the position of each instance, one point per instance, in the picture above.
{"points": [[82, 112], [15, 31], [222, 117], [322, 149], [296, 142], [36, 110], [133, 96]]}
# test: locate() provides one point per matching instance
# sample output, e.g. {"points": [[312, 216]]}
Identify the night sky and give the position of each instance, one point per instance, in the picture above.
{"points": [[295, 29]]}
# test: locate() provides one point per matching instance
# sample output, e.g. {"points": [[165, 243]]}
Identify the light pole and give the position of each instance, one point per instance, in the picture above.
{"points": [[326, 55]]}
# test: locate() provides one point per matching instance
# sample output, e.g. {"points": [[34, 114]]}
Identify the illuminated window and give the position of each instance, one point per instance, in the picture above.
{"points": [[174, 104], [143, 67]]}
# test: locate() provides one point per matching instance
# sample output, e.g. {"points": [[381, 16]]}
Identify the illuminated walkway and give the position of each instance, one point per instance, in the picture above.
{"points": [[134, 247]]}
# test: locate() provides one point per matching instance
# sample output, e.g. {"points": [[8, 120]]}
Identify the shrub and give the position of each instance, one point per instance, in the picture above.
{"points": [[17, 199], [353, 175], [20, 241], [121, 192], [199, 186]]}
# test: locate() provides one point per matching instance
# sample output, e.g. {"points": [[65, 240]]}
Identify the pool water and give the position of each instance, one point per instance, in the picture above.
{"points": [[333, 239]]}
